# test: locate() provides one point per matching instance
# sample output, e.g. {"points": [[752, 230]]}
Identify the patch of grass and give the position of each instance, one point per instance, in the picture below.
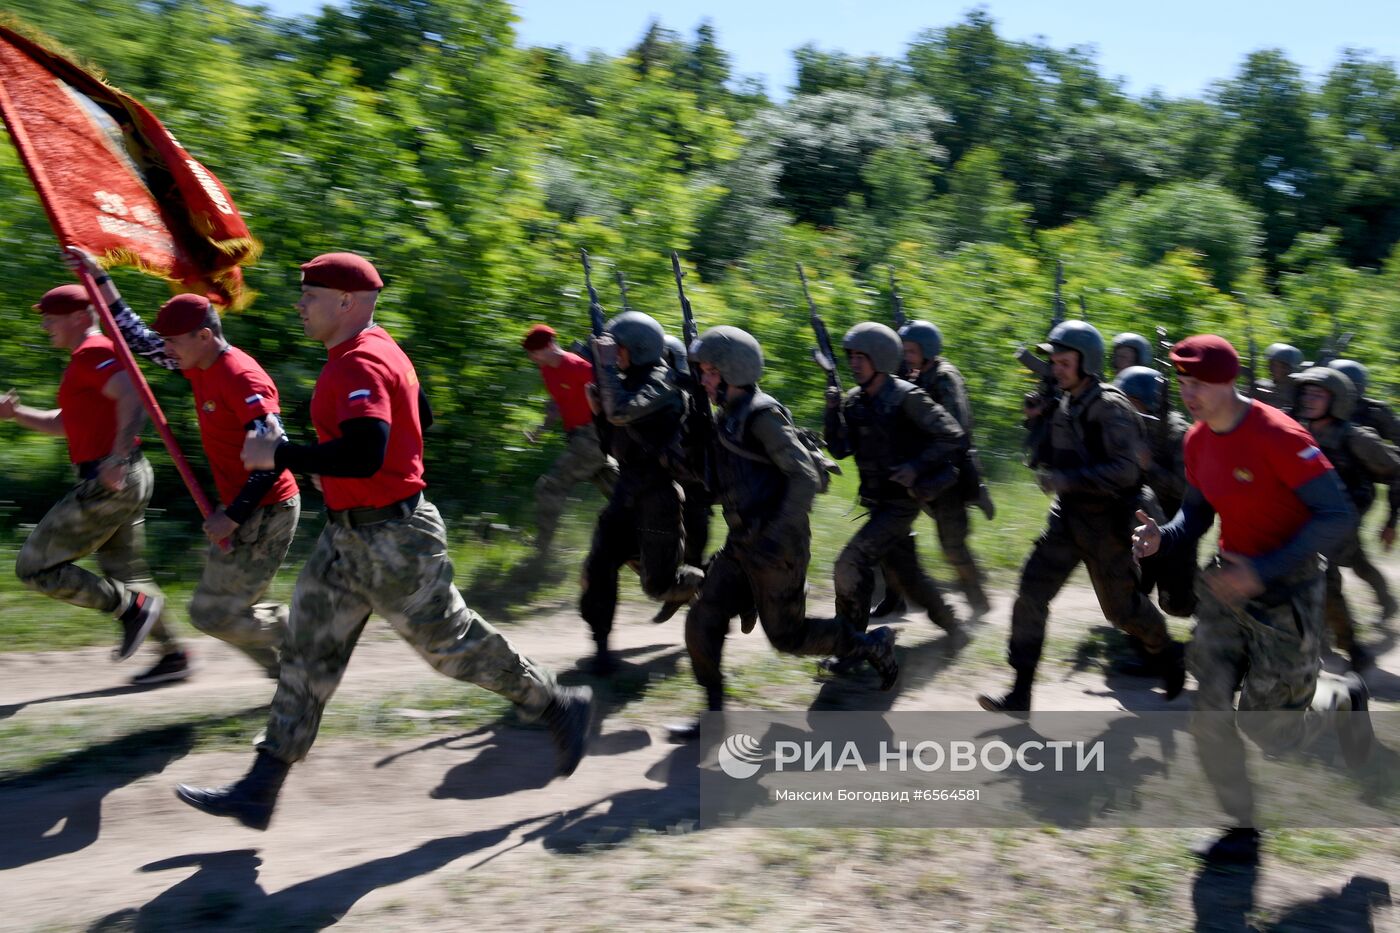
{"points": [[1313, 848]]}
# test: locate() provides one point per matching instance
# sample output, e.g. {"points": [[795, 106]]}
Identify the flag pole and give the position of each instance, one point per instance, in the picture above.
{"points": [[148, 400]]}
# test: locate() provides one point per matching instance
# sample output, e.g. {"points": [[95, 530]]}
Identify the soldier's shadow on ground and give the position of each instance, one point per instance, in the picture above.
{"points": [[507, 760], [1223, 902], [9, 710], [1105, 648], [57, 809], [225, 893]]}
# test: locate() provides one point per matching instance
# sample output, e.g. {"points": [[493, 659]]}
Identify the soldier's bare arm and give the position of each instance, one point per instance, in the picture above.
{"points": [[43, 420], [130, 419]]}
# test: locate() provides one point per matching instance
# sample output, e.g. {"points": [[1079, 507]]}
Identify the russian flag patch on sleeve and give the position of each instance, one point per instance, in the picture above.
{"points": [[359, 393], [1309, 453]]}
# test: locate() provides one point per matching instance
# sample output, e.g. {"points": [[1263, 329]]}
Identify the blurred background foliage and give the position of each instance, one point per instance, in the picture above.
{"points": [[471, 170]]}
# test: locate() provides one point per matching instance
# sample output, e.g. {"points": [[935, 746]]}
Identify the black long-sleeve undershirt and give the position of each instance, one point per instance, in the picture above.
{"points": [[358, 452]]}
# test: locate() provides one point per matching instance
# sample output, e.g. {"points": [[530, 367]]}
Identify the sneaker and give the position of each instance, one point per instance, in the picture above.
{"points": [[171, 667], [569, 717], [1238, 846], [136, 621], [1354, 729]]}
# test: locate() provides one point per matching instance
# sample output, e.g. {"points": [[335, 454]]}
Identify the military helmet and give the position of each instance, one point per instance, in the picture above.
{"points": [[640, 334], [1142, 383], [734, 352], [676, 353], [1343, 392], [1140, 346], [1082, 337], [1359, 375], [878, 342], [926, 334], [1285, 353]]}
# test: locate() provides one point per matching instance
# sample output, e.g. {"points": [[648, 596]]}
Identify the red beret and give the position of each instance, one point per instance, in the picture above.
{"points": [[1206, 357], [63, 300], [182, 314], [538, 337], [344, 272]]}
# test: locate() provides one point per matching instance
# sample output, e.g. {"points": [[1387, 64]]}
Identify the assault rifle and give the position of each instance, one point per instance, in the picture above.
{"points": [[822, 354], [899, 319], [622, 288], [1164, 403], [597, 317], [1042, 369], [689, 333]]}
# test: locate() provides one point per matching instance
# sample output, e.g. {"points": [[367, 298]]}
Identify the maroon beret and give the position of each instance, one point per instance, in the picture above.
{"points": [[1206, 357], [344, 272], [538, 337], [182, 314], [63, 300]]}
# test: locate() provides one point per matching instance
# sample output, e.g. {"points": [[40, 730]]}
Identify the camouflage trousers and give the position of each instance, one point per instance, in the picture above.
{"points": [[739, 580], [111, 526], [643, 522], [583, 460], [400, 570], [884, 541], [1340, 622], [1099, 536], [949, 514], [226, 602], [1269, 650], [1372, 576]]}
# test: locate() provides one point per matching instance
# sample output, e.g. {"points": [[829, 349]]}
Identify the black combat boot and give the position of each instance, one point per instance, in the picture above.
{"points": [[1017, 701], [1355, 732], [747, 620], [877, 647], [249, 801], [892, 605], [569, 717], [602, 664], [668, 609]]}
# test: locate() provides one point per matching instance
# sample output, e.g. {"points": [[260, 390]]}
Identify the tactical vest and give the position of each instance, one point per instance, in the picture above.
{"points": [[640, 447], [883, 438], [1076, 441], [1358, 481], [751, 488]]}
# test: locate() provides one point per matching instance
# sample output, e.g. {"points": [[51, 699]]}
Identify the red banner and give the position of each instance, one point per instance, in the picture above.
{"points": [[114, 181]]}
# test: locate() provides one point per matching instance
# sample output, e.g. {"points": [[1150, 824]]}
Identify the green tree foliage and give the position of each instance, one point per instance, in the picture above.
{"points": [[471, 170]]}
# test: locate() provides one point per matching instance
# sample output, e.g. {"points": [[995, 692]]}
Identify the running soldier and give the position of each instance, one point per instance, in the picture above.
{"points": [[99, 414], [643, 519], [383, 549], [1376, 415], [259, 510], [1326, 399], [909, 451], [699, 501], [927, 369], [1259, 622], [1278, 390], [1089, 463], [1130, 350], [766, 480], [566, 377], [1163, 462]]}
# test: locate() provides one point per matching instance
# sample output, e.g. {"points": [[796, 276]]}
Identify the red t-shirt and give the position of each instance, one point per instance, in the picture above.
{"points": [[229, 394], [567, 384], [1249, 476], [369, 376], [89, 417]]}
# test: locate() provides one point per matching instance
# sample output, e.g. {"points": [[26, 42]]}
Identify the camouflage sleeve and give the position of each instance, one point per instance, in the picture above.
{"points": [[1121, 430], [1168, 473], [838, 441], [780, 442], [139, 337], [945, 436], [623, 406], [1387, 424], [953, 395], [1378, 457]]}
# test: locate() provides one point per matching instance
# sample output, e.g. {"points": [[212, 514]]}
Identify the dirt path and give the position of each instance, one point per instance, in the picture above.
{"points": [[453, 829]]}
